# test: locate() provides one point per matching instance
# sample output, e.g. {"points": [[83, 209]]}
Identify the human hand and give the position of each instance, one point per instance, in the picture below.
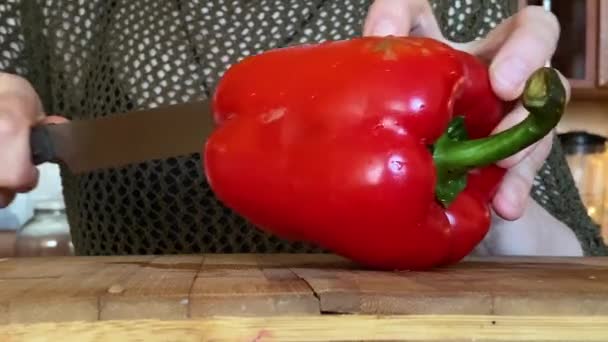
{"points": [[514, 49], [20, 109]]}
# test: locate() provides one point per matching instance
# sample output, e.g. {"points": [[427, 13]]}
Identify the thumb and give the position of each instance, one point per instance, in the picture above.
{"points": [[401, 18], [531, 43]]}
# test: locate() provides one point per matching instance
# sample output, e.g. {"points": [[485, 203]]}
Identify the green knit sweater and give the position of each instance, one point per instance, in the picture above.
{"points": [[87, 59]]}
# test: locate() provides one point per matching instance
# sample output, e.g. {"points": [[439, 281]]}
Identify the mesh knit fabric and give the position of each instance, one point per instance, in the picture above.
{"points": [[91, 58]]}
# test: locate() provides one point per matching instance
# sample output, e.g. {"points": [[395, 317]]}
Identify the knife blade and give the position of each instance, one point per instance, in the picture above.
{"points": [[124, 138]]}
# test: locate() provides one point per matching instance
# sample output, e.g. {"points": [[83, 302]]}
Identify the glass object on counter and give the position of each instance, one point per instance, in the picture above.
{"points": [[47, 233], [586, 157]]}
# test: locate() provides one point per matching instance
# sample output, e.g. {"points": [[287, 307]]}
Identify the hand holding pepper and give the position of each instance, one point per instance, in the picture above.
{"points": [[514, 49]]}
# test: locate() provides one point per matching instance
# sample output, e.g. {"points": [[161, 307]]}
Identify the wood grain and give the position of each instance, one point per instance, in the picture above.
{"points": [[323, 328], [172, 288], [246, 288], [557, 286], [54, 267], [159, 289], [68, 297]]}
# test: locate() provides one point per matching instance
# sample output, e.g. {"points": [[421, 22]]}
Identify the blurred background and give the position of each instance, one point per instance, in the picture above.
{"points": [[35, 224], [582, 56]]}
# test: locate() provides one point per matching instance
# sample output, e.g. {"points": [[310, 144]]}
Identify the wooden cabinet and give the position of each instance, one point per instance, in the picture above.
{"points": [[582, 51]]}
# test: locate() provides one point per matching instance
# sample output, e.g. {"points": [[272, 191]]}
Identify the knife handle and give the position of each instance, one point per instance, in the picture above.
{"points": [[41, 145]]}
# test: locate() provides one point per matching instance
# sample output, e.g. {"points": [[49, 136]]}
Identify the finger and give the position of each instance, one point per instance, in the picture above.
{"points": [[531, 44], [19, 92], [20, 108], [401, 18], [509, 201], [17, 172], [518, 114], [516, 47], [22, 175], [513, 194]]}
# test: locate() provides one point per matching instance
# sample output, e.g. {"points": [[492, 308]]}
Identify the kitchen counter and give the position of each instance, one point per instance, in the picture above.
{"points": [[300, 297]]}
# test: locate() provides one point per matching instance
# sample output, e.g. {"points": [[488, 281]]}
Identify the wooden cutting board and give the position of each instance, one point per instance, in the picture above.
{"points": [[76, 290]]}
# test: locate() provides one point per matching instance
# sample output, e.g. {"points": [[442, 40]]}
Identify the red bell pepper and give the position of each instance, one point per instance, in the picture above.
{"points": [[376, 149]]}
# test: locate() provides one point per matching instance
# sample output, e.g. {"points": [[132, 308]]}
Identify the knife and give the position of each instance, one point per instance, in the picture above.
{"points": [[124, 138]]}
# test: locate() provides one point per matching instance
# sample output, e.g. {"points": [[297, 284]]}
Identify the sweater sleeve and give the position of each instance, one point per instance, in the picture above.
{"points": [[554, 188], [23, 47]]}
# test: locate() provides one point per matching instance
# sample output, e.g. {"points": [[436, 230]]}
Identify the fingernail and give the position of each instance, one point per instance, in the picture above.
{"points": [[384, 27], [511, 73]]}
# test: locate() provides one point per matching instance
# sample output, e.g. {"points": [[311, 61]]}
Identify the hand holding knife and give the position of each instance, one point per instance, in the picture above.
{"points": [[124, 138]]}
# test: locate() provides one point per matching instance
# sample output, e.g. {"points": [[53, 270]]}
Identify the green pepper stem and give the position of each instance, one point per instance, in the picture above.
{"points": [[544, 97]]}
